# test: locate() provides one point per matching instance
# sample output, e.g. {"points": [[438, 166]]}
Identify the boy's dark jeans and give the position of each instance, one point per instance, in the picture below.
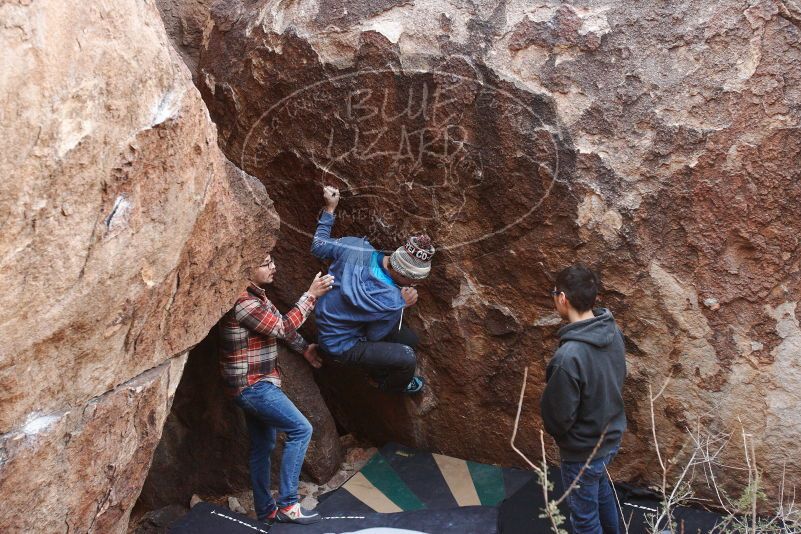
{"points": [[593, 507], [391, 362]]}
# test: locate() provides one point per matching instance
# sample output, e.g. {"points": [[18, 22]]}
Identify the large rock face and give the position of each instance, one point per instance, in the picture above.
{"points": [[81, 469], [659, 144], [125, 236]]}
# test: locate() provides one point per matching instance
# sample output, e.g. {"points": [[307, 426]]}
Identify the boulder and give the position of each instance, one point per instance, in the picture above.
{"points": [[82, 469], [658, 144], [125, 235]]}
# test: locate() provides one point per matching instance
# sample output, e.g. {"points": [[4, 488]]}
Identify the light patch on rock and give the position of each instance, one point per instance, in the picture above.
{"points": [[594, 20], [760, 12], [277, 16], [73, 116], [391, 28], [518, 10], [167, 107], [146, 272], [565, 56], [745, 346], [787, 364], [118, 216], [175, 371], [548, 320], [783, 424], [710, 302], [680, 300], [209, 81], [734, 156], [631, 200], [309, 502], [746, 64], [467, 290], [593, 214], [588, 145], [337, 46], [414, 45], [520, 67], [37, 423], [571, 105], [71, 132]]}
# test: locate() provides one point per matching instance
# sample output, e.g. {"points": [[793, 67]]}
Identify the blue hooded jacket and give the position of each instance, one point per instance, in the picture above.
{"points": [[360, 306]]}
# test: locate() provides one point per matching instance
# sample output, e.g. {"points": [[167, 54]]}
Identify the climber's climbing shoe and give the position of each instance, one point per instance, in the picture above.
{"points": [[415, 385]]}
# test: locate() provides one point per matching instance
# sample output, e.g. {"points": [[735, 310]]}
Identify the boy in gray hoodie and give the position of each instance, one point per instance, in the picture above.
{"points": [[582, 405]]}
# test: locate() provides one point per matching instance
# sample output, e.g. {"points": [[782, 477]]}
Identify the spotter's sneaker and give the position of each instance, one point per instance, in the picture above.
{"points": [[297, 514], [270, 518]]}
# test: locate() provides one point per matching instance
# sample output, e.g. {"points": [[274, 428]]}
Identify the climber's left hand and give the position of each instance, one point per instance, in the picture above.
{"points": [[312, 356]]}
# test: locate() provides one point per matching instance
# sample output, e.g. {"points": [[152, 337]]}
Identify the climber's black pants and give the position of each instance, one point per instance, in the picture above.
{"points": [[391, 362]]}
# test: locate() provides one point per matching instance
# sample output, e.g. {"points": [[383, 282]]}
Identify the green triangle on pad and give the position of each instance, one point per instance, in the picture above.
{"points": [[488, 480], [385, 479]]}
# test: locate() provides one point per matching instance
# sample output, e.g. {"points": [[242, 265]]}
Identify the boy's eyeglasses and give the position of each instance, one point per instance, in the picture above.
{"points": [[555, 292]]}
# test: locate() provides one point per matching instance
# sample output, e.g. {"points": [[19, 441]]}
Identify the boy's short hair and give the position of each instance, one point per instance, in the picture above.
{"points": [[580, 285]]}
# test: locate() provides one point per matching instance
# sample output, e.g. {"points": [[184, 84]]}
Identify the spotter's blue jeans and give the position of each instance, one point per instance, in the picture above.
{"points": [[269, 411], [592, 503]]}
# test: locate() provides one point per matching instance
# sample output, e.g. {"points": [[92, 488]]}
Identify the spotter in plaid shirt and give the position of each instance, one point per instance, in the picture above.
{"points": [[248, 335]]}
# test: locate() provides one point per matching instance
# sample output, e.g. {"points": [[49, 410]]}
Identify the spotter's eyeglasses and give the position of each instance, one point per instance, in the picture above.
{"points": [[555, 292]]}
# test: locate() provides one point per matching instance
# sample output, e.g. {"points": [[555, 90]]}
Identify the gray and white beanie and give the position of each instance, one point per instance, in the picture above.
{"points": [[413, 260]]}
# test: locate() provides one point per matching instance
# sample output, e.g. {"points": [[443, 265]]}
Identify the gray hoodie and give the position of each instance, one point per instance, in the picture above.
{"points": [[584, 394]]}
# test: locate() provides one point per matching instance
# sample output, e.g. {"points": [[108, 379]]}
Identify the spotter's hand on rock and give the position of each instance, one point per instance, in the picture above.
{"points": [[321, 285]]}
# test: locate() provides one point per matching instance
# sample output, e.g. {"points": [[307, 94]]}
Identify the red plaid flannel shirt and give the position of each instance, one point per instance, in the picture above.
{"points": [[248, 335]]}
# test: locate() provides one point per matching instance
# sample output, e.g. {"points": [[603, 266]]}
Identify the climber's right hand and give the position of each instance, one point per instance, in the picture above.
{"points": [[331, 198]]}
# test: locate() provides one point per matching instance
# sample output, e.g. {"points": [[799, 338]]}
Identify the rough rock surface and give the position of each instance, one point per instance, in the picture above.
{"points": [[659, 143], [188, 25], [125, 235], [204, 446], [82, 469]]}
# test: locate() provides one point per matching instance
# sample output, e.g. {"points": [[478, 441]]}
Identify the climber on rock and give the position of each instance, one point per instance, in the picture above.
{"points": [[250, 372], [582, 404], [360, 321]]}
